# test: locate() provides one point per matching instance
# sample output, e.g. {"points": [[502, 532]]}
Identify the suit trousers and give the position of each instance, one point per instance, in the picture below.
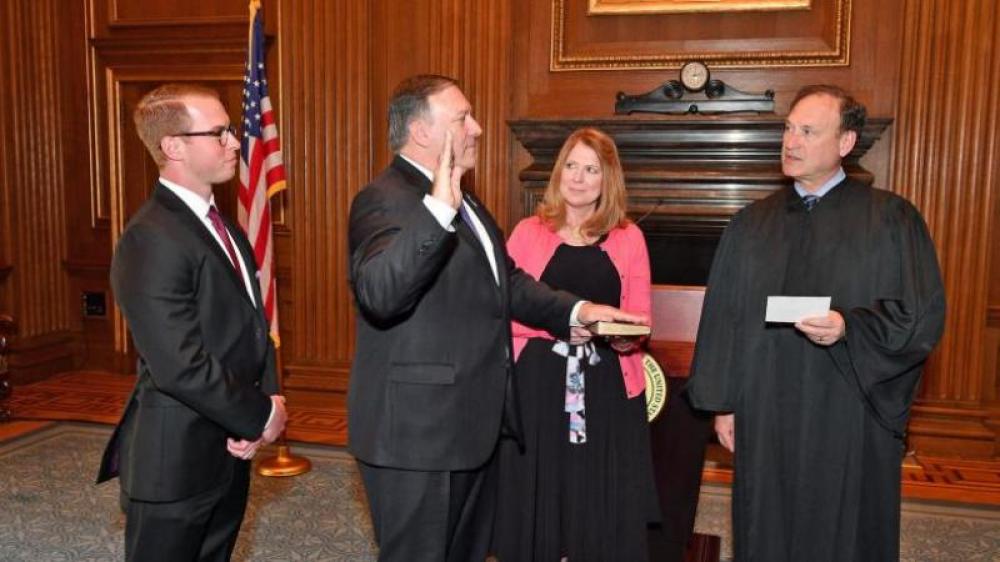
{"points": [[201, 528], [420, 516]]}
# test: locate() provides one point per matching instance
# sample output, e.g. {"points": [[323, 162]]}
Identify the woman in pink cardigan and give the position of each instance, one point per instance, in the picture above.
{"points": [[583, 487]]}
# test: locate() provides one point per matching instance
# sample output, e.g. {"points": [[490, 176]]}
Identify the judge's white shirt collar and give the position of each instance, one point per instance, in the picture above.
{"points": [[825, 188]]}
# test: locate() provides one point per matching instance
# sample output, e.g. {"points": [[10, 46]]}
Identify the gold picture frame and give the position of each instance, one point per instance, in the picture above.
{"points": [[629, 7], [833, 47]]}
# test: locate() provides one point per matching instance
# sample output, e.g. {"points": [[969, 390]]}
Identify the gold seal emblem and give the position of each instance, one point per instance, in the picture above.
{"points": [[656, 387]]}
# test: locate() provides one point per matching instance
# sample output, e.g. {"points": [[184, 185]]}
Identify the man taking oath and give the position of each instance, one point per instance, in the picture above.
{"points": [[431, 386]]}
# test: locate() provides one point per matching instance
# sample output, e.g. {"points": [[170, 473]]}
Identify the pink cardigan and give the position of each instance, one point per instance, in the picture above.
{"points": [[532, 245]]}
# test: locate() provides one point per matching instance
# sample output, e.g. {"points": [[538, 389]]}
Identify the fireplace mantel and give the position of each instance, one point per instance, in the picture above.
{"points": [[686, 176]]}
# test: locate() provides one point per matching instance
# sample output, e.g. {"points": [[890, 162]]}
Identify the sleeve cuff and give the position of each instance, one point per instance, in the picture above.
{"points": [[574, 321], [271, 415], [443, 213]]}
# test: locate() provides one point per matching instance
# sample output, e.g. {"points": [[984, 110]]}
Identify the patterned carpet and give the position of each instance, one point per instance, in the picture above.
{"points": [[53, 512], [99, 397]]}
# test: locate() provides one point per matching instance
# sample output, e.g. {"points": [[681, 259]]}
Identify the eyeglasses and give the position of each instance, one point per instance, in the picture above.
{"points": [[221, 133]]}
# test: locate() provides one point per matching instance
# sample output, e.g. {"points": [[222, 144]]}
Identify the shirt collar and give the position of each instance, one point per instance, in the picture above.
{"points": [[194, 201], [423, 170], [825, 188]]}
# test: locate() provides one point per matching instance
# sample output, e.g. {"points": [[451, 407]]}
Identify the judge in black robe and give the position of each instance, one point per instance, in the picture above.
{"points": [[820, 408]]}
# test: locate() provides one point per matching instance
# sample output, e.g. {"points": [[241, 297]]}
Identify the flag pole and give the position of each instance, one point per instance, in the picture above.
{"points": [[284, 463], [262, 175]]}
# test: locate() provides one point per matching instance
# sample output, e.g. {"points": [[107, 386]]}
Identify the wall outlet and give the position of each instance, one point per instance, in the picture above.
{"points": [[94, 304]]}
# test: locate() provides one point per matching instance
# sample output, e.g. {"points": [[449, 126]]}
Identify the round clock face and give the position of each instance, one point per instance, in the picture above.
{"points": [[694, 75]]}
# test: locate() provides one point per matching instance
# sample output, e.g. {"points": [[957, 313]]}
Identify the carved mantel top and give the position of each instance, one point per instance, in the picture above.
{"points": [[743, 138]]}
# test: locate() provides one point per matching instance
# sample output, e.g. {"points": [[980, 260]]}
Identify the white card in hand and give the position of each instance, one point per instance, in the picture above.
{"points": [[792, 309]]}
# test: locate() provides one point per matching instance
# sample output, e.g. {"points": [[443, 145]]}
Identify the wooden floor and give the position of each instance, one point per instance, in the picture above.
{"points": [[100, 397]]}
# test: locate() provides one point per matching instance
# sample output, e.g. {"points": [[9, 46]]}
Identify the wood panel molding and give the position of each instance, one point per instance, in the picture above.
{"points": [[83, 268], [33, 170], [331, 377], [34, 358], [180, 20], [156, 54], [325, 123], [946, 162], [819, 36], [177, 12]]}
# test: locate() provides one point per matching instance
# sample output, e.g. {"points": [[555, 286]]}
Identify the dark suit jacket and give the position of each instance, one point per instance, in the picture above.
{"points": [[206, 364], [433, 353]]}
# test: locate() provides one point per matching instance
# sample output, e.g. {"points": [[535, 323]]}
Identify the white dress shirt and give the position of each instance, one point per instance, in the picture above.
{"points": [[200, 208]]}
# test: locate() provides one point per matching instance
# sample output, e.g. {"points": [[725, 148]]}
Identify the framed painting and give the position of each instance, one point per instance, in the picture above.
{"points": [[663, 34], [626, 7]]}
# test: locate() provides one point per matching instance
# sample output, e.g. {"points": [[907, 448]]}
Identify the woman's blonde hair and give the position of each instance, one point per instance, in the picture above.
{"points": [[610, 212]]}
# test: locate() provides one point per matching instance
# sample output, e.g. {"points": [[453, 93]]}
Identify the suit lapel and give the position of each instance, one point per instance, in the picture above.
{"points": [[186, 217]]}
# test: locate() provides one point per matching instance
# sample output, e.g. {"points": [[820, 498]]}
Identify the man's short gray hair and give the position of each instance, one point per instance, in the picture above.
{"points": [[409, 101]]}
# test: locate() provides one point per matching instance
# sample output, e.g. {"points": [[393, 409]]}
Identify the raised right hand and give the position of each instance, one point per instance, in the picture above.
{"points": [[448, 178]]}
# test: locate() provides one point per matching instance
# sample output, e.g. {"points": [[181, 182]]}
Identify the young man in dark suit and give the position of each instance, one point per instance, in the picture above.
{"points": [[435, 290], [206, 395]]}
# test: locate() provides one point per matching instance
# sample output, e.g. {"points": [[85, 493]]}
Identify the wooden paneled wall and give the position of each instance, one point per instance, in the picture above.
{"points": [[947, 161], [73, 70], [325, 109], [339, 64], [33, 285]]}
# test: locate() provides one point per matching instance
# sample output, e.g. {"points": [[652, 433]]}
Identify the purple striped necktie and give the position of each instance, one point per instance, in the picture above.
{"points": [[220, 229]]}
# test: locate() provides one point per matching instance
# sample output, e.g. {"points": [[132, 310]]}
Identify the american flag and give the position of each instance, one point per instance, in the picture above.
{"points": [[262, 172]]}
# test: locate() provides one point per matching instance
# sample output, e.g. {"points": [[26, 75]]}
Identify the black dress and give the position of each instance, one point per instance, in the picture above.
{"points": [[589, 501]]}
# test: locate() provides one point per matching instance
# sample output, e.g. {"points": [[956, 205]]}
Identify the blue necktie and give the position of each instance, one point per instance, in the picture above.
{"points": [[464, 213], [810, 201]]}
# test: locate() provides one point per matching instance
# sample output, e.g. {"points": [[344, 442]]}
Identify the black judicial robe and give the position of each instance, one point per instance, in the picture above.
{"points": [[819, 430]]}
